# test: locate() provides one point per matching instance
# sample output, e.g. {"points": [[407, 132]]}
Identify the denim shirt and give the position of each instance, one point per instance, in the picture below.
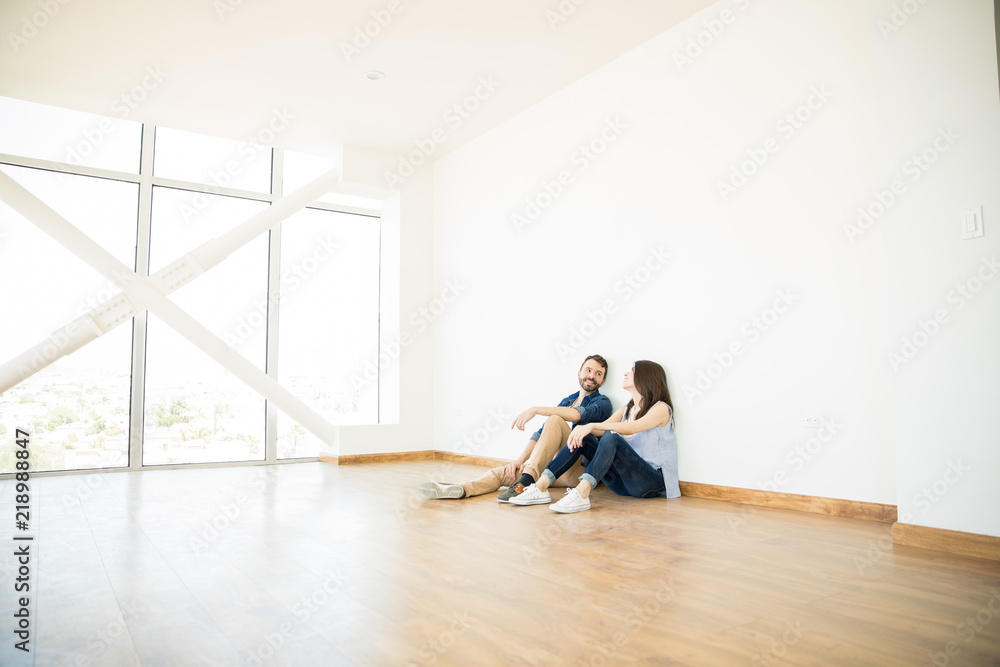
{"points": [[595, 407]]}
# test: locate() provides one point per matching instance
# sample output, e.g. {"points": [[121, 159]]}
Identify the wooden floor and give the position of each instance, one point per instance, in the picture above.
{"points": [[318, 564]]}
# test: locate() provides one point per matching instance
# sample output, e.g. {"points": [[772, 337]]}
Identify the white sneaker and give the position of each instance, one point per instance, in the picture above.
{"points": [[571, 502], [531, 496]]}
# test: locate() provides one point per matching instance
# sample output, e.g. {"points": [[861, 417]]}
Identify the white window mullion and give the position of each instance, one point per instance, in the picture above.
{"points": [[273, 292], [139, 322]]}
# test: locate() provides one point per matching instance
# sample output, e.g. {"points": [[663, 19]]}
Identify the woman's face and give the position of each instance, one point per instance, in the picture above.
{"points": [[627, 381]]}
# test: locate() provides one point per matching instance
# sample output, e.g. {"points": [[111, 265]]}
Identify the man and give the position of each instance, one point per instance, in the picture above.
{"points": [[583, 407]]}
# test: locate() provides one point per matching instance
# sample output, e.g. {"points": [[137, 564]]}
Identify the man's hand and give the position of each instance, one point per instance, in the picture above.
{"points": [[576, 437], [523, 419], [513, 470]]}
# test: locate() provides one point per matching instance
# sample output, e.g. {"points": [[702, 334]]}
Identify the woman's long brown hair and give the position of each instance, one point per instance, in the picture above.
{"points": [[651, 382]]}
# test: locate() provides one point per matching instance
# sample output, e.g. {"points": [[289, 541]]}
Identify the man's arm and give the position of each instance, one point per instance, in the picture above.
{"points": [[567, 413], [596, 410]]}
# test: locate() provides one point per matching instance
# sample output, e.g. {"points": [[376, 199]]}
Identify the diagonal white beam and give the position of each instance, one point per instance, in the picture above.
{"points": [[141, 293]]}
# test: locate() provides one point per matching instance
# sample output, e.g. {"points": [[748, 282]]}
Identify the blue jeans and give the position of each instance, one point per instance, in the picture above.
{"points": [[613, 462]]}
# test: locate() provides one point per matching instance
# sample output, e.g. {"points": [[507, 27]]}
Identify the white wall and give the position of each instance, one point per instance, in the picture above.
{"points": [[681, 129], [405, 398], [940, 71]]}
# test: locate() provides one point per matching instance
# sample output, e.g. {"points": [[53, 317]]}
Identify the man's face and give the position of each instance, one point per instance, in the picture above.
{"points": [[591, 376]]}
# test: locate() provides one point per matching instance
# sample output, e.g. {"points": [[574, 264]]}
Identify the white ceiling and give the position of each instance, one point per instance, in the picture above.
{"points": [[226, 65]]}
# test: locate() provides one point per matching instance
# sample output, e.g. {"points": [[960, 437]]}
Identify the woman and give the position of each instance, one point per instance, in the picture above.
{"points": [[636, 455]]}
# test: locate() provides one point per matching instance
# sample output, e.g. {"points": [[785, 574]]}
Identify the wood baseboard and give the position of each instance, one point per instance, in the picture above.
{"points": [[830, 506], [384, 457], [470, 459], [421, 455], [952, 541], [852, 509]]}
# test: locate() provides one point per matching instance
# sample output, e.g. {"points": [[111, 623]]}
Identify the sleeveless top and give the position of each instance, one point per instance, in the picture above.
{"points": [[658, 447]]}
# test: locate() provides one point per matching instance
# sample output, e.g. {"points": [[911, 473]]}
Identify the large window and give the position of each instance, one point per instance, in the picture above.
{"points": [[77, 408], [329, 318], [300, 303], [195, 410]]}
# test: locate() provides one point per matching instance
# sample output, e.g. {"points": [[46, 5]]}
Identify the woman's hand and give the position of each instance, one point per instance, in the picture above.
{"points": [[577, 435]]}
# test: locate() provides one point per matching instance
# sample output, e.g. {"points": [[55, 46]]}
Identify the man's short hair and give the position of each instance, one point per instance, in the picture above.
{"points": [[599, 359]]}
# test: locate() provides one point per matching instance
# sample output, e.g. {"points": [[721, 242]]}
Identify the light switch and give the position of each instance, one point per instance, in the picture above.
{"points": [[972, 223]]}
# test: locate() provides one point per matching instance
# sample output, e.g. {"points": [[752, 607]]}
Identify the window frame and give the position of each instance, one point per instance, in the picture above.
{"points": [[146, 181]]}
